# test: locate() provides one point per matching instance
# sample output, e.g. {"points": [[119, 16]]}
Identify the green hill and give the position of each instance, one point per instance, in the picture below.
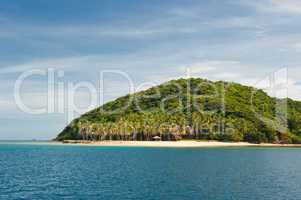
{"points": [[192, 109]]}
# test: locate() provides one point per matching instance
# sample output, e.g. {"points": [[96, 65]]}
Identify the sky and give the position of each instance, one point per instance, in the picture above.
{"points": [[137, 43]]}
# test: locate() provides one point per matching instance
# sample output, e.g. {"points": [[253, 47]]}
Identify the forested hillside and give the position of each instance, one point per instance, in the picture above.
{"points": [[192, 109]]}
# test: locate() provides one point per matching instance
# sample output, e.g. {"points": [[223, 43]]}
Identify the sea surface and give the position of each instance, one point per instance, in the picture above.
{"points": [[50, 171]]}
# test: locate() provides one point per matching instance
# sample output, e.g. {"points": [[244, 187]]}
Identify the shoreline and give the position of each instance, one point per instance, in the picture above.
{"points": [[173, 144]]}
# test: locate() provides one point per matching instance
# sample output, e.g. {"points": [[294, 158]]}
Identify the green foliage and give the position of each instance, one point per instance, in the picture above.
{"points": [[192, 109]]}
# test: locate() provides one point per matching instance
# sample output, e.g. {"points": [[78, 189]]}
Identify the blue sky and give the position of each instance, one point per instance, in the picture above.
{"points": [[152, 41]]}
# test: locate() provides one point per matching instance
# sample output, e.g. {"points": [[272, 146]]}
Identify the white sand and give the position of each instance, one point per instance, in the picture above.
{"points": [[184, 144]]}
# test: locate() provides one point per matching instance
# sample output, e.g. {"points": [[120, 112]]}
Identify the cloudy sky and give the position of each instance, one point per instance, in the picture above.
{"points": [[148, 42]]}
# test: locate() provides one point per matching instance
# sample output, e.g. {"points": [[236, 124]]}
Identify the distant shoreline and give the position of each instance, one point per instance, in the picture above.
{"points": [[177, 144]]}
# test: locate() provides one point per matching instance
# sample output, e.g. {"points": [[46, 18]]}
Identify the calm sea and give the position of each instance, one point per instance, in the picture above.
{"points": [[43, 171]]}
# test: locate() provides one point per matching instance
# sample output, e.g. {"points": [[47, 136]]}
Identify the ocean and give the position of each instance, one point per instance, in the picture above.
{"points": [[47, 171]]}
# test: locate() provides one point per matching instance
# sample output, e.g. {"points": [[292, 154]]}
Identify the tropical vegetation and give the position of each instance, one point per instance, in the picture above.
{"points": [[192, 109]]}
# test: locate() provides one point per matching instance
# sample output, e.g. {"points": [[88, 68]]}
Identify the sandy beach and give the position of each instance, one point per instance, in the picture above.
{"points": [[178, 144]]}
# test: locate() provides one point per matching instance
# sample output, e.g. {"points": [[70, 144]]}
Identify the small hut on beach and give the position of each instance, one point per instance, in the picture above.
{"points": [[157, 138]]}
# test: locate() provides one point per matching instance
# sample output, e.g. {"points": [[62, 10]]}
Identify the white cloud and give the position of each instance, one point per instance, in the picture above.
{"points": [[215, 69], [294, 91], [237, 22], [227, 76], [208, 66], [4, 103], [152, 29], [297, 47], [68, 64], [7, 105], [201, 67], [290, 6], [276, 6]]}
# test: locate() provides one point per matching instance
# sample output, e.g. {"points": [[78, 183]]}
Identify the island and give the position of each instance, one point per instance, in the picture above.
{"points": [[192, 109]]}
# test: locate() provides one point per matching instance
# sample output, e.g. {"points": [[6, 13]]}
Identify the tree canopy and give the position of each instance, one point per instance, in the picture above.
{"points": [[192, 109]]}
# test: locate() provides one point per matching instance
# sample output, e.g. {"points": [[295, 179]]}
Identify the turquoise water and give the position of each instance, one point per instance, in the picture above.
{"points": [[30, 171]]}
